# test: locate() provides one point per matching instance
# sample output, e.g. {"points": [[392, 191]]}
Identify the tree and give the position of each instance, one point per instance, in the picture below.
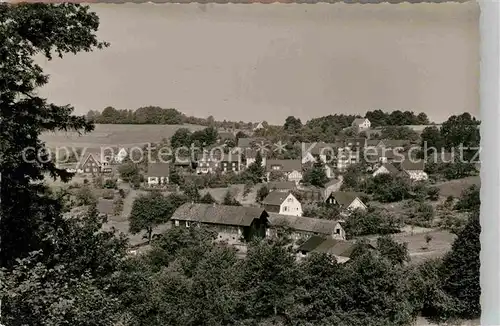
{"points": [[277, 176], [292, 125], [84, 196], [230, 200], [462, 130], [395, 252], [128, 171], [192, 192], [255, 169], [469, 200], [398, 132], [262, 193], [149, 211], [316, 175], [460, 275], [207, 199], [181, 138], [431, 139]]}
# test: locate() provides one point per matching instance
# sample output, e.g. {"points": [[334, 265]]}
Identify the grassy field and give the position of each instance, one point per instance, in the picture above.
{"points": [[455, 187], [115, 135]]}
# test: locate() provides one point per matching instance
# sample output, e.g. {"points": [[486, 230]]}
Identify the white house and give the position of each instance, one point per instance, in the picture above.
{"points": [[121, 155], [386, 168], [282, 203], [415, 170], [260, 125], [361, 124], [346, 201], [158, 174], [312, 151], [292, 169]]}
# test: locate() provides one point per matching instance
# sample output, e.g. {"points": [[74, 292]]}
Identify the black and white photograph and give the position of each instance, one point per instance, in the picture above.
{"points": [[222, 164]]}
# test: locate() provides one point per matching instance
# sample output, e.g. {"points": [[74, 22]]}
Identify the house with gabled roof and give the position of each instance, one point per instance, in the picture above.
{"points": [[258, 126], [304, 227], [347, 201], [311, 152], [292, 169], [332, 186], [283, 186], [250, 155], [361, 124], [414, 169], [218, 161], [282, 203], [89, 164], [158, 174], [386, 168], [339, 249], [234, 224]]}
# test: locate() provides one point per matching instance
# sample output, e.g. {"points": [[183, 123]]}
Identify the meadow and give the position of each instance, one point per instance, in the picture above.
{"points": [[114, 135]]}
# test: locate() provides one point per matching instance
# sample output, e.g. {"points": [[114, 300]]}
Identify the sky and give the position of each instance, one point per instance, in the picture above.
{"points": [[265, 62]]}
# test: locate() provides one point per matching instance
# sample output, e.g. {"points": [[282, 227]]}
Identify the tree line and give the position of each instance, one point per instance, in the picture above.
{"points": [[57, 270]]}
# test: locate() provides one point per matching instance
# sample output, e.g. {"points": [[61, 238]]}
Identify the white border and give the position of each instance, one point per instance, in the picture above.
{"points": [[490, 177]]}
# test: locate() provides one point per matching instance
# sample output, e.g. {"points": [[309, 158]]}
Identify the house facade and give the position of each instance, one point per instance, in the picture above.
{"points": [[158, 174], [414, 170], [250, 155], [349, 151], [211, 163], [234, 224], [282, 203], [312, 152], [346, 201], [361, 124], [292, 169], [89, 164], [332, 186]]}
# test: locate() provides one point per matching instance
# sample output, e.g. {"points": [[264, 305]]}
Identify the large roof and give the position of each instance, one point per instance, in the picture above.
{"points": [[275, 198], [304, 224], [286, 165], [341, 248], [345, 198], [410, 165], [158, 169], [218, 214], [281, 185]]}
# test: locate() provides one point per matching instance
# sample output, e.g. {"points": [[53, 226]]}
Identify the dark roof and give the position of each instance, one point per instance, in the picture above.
{"points": [[391, 168], [408, 165], [217, 156], [304, 224], [372, 142], [218, 214], [281, 185], [341, 248], [286, 165], [395, 142], [105, 206], [345, 198], [158, 169], [275, 198]]}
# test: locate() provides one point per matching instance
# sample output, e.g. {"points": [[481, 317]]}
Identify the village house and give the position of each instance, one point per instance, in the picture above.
{"points": [[349, 151], [89, 164], [292, 169], [234, 224], [346, 201], [283, 186], [250, 155], [158, 174], [120, 155], [282, 203], [258, 126], [386, 168], [414, 170], [211, 163], [361, 124], [304, 227], [387, 143], [339, 249]]}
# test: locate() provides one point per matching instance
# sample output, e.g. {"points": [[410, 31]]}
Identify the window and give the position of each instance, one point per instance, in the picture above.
{"points": [[187, 224], [337, 231], [285, 208], [290, 200], [176, 223]]}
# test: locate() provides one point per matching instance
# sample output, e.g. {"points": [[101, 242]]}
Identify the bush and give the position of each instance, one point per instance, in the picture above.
{"points": [[419, 213], [372, 221]]}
